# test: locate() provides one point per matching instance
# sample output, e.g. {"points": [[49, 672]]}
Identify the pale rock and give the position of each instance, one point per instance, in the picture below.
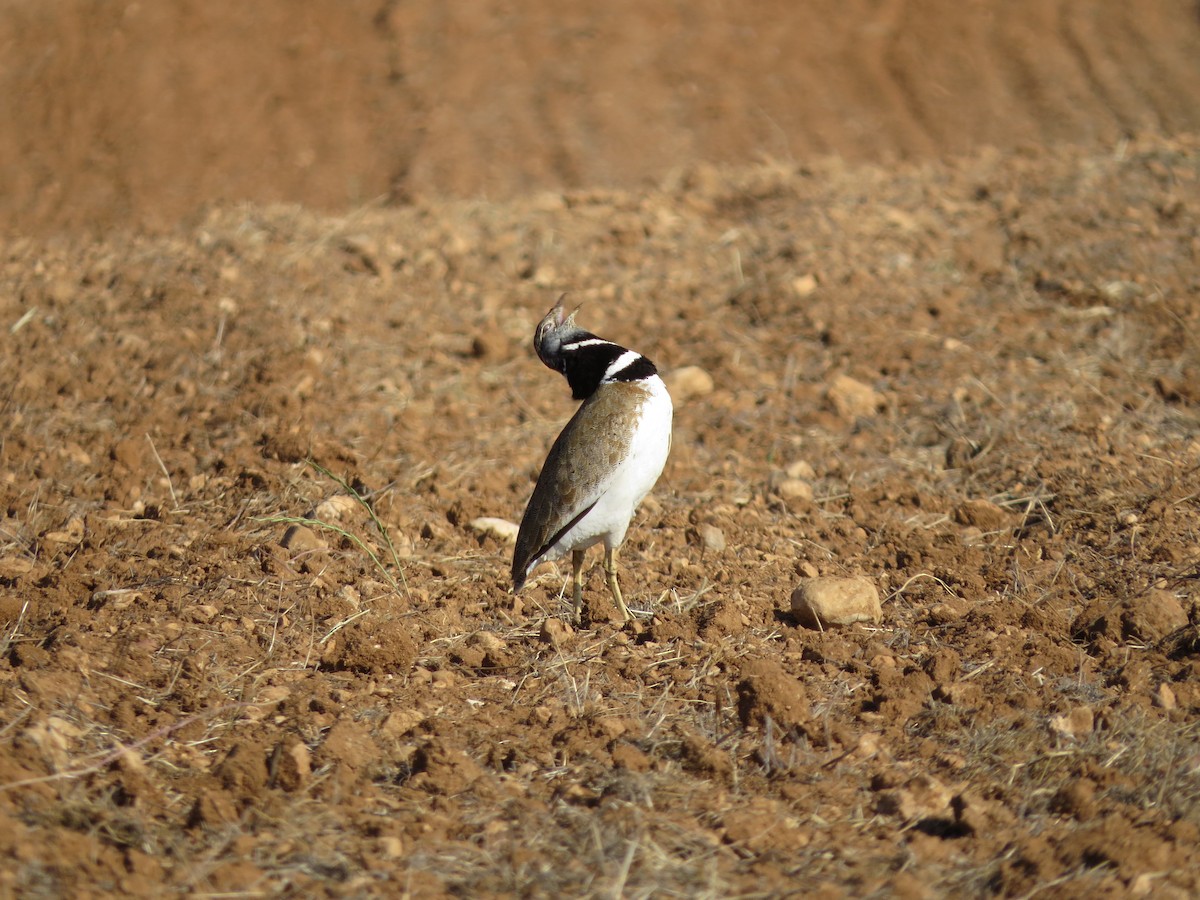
{"points": [[71, 535], [821, 602], [868, 746], [555, 631], [15, 566], [1164, 697], [794, 489], [852, 399], [53, 738], [712, 538], [299, 539], [132, 762], [501, 529], [922, 797], [401, 722], [274, 693], [678, 565], [1120, 290], [805, 285], [486, 640], [1078, 722], [336, 508], [391, 846], [688, 383], [801, 469]]}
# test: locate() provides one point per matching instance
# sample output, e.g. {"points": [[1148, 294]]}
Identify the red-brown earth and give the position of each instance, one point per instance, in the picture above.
{"points": [[250, 642]]}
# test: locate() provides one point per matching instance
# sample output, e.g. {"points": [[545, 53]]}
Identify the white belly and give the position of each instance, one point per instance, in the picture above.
{"points": [[631, 481]]}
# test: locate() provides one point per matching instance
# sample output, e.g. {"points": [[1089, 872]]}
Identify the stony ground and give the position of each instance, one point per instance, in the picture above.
{"points": [[974, 383], [924, 279]]}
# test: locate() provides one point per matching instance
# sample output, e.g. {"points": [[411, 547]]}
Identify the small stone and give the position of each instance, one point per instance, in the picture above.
{"points": [[948, 611], [712, 538], [1078, 722], [1144, 885], [336, 508], [805, 285], [794, 489], [391, 847], [501, 529], [15, 566], [400, 723], [802, 470], [555, 631], [70, 536], [851, 399], [821, 602], [1164, 697], [299, 539], [1120, 290], [688, 383], [486, 640], [920, 798]]}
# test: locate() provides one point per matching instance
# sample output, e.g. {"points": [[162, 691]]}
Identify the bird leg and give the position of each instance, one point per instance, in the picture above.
{"points": [[577, 583], [610, 569]]}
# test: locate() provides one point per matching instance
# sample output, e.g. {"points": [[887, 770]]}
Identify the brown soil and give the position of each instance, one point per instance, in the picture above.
{"points": [[117, 112], [250, 642]]}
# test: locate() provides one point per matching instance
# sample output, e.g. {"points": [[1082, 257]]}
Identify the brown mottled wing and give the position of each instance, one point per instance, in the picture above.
{"points": [[576, 474]]}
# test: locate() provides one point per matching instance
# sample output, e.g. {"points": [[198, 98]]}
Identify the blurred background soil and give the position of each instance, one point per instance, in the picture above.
{"points": [[116, 113]]}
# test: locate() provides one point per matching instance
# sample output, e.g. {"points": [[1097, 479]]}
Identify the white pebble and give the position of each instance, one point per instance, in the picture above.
{"points": [[498, 528]]}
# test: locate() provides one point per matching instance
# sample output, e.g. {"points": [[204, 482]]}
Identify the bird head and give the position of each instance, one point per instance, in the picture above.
{"points": [[556, 329]]}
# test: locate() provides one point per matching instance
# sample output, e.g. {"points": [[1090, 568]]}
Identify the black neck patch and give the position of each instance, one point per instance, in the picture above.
{"points": [[584, 359], [585, 366], [637, 370]]}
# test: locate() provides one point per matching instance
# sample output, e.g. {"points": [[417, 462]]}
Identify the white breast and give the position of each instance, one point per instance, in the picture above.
{"points": [[633, 477]]}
